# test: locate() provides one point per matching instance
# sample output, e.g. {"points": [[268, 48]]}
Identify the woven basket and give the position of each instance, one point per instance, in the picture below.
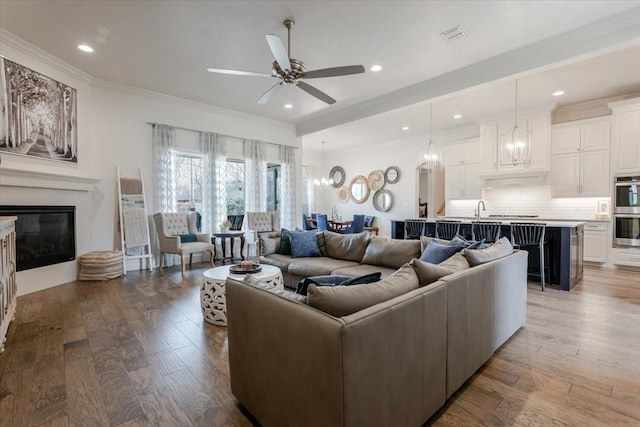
{"points": [[100, 265]]}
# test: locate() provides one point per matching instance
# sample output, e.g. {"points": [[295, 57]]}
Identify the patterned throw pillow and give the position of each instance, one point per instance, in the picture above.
{"points": [[303, 244]]}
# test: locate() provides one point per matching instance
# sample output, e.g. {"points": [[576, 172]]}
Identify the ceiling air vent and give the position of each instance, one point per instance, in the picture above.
{"points": [[453, 34]]}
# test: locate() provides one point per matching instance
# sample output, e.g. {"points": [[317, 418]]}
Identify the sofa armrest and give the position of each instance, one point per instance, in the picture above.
{"points": [[279, 351]]}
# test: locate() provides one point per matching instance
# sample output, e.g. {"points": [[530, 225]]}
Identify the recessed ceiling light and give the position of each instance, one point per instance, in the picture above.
{"points": [[376, 68], [405, 127], [85, 48], [558, 93], [457, 116], [288, 106]]}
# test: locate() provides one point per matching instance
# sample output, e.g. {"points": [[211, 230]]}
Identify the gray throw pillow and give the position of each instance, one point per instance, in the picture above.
{"points": [[470, 244], [347, 247], [499, 249], [429, 273], [344, 300], [435, 252], [304, 244], [269, 243]]}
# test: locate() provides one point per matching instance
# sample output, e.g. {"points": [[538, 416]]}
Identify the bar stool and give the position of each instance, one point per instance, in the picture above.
{"points": [[530, 234], [414, 228], [447, 229], [487, 230]]}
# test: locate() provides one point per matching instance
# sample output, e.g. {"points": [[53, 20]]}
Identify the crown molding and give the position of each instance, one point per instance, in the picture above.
{"points": [[182, 102], [546, 109], [618, 104], [35, 52], [608, 35]]}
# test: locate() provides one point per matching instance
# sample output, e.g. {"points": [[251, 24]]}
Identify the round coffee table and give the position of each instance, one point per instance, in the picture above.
{"points": [[212, 292]]}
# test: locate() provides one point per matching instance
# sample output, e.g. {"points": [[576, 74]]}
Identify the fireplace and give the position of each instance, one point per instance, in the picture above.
{"points": [[45, 235]]}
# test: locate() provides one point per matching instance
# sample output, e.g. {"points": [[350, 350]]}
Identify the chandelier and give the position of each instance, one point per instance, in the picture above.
{"points": [[431, 154], [516, 142], [323, 182]]}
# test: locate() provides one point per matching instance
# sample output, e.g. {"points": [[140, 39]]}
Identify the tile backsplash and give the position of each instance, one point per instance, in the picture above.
{"points": [[527, 200]]}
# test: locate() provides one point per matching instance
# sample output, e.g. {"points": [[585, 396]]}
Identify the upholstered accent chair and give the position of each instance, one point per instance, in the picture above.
{"points": [[257, 223], [177, 234]]}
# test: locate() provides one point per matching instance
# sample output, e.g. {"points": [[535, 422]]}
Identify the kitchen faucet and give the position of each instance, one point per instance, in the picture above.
{"points": [[477, 211]]}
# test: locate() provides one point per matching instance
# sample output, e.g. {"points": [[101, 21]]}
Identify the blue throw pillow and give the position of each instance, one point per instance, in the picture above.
{"points": [[458, 240], [303, 244], [188, 238], [435, 252], [285, 242]]}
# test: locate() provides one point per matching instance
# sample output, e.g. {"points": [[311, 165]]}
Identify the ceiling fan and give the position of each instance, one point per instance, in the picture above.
{"points": [[291, 71]]}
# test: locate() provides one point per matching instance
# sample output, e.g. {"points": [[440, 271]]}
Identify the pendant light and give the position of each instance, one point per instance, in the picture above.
{"points": [[516, 142], [323, 182], [431, 154]]}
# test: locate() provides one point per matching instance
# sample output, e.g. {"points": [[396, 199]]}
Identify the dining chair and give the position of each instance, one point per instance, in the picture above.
{"points": [[487, 230], [447, 229], [357, 226], [526, 234], [414, 228], [323, 224], [307, 224]]}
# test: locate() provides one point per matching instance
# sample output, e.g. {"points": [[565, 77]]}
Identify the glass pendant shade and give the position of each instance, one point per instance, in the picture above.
{"points": [[430, 154], [516, 142]]}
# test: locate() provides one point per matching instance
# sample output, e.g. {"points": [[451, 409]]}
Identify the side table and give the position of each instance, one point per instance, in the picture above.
{"points": [[232, 235], [213, 299]]}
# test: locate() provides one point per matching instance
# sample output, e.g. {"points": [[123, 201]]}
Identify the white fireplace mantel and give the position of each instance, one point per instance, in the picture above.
{"points": [[36, 179]]}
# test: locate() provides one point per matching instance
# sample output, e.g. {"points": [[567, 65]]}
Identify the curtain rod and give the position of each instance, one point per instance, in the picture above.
{"points": [[220, 134]]}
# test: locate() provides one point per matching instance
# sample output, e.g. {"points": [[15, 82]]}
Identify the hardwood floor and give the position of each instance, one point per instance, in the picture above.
{"points": [[135, 351]]}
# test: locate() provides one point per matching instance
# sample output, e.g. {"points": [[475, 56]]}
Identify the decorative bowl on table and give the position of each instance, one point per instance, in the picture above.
{"points": [[245, 268]]}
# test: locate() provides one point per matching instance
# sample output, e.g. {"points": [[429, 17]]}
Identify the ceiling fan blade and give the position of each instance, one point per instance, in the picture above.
{"points": [[333, 72], [316, 92], [268, 94], [279, 52], [238, 72]]}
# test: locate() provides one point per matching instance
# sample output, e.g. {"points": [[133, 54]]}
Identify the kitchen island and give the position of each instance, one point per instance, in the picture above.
{"points": [[564, 244]]}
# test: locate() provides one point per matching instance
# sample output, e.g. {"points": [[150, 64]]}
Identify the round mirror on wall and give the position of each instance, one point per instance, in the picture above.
{"points": [[382, 200], [338, 176], [343, 194], [359, 189], [392, 175]]}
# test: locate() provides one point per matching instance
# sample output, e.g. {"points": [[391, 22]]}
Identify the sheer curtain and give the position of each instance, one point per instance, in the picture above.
{"points": [[288, 181], [255, 176], [214, 197], [164, 167]]}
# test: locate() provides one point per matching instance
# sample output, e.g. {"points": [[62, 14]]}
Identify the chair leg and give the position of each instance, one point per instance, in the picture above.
{"points": [[211, 257], [182, 261], [190, 259], [161, 260], [542, 265]]}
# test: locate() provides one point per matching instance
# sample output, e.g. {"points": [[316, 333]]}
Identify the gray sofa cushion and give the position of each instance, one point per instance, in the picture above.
{"points": [[429, 273], [390, 253], [348, 247], [362, 269], [320, 266], [280, 261], [344, 300], [499, 249]]}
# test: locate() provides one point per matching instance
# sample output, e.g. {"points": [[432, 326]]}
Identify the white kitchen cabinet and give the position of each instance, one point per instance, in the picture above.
{"points": [[580, 160], [596, 241], [488, 148], [626, 136], [462, 153], [621, 256], [463, 182]]}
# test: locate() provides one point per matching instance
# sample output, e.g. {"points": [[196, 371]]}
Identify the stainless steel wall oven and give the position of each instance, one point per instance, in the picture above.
{"points": [[626, 211]]}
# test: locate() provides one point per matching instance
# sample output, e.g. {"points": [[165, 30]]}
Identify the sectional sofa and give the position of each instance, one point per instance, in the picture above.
{"points": [[393, 363]]}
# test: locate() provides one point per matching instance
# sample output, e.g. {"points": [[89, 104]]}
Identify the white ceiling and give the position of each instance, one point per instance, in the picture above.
{"points": [[166, 46]]}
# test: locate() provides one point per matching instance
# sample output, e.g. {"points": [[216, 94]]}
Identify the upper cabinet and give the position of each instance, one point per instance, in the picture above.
{"points": [[462, 153], [580, 158], [462, 170], [493, 160], [625, 142]]}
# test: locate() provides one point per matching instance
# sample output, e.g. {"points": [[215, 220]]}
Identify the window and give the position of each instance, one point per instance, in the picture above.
{"points": [[235, 187], [273, 187], [189, 182]]}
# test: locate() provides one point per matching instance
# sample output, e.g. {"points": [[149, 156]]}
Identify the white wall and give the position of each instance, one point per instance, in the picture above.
{"points": [[113, 130]]}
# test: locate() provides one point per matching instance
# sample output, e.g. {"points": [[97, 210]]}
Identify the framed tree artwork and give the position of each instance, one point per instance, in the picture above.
{"points": [[38, 114]]}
